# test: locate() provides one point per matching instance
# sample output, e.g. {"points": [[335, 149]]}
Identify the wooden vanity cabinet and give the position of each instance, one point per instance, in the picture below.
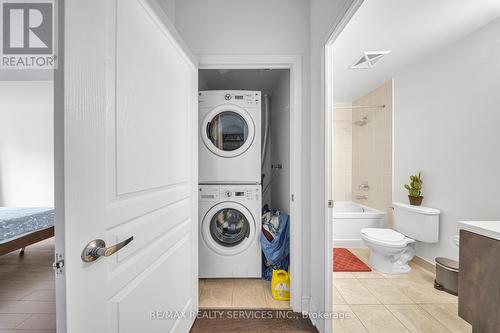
{"points": [[479, 282]]}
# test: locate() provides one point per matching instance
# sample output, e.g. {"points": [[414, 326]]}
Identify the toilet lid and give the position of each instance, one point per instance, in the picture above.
{"points": [[384, 235]]}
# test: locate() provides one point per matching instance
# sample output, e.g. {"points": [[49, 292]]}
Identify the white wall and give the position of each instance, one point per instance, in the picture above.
{"points": [[26, 143], [446, 120], [280, 143], [244, 27], [257, 27], [169, 8]]}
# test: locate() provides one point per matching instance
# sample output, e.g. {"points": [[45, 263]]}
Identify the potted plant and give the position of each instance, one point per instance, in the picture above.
{"points": [[415, 189]]}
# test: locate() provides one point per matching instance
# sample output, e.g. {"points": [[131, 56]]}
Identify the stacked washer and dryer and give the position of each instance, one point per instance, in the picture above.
{"points": [[230, 193]]}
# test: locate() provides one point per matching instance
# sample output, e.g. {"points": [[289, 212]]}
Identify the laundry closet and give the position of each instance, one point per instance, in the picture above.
{"points": [[244, 171]]}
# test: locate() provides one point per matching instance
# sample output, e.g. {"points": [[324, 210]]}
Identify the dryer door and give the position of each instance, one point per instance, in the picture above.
{"points": [[228, 228], [228, 130]]}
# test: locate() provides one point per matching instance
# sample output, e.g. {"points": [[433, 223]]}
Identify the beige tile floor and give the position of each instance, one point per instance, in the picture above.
{"points": [[27, 296], [238, 293], [376, 302], [27, 293], [370, 302]]}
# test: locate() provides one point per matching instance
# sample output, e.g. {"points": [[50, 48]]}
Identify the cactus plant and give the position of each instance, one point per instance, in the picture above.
{"points": [[415, 189]]}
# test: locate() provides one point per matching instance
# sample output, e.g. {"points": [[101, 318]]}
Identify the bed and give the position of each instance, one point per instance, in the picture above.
{"points": [[20, 227]]}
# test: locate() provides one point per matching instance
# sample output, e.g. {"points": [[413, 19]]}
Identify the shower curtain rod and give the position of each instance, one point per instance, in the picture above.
{"points": [[360, 107]]}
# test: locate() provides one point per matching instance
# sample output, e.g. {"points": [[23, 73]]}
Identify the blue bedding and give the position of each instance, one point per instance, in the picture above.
{"points": [[17, 222]]}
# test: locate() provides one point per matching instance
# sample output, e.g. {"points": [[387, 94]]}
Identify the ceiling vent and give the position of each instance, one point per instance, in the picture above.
{"points": [[369, 59]]}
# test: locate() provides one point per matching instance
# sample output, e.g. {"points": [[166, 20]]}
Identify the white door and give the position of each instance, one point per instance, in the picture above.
{"points": [[128, 161]]}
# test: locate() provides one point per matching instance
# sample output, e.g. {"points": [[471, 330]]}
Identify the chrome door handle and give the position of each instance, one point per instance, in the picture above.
{"points": [[97, 248]]}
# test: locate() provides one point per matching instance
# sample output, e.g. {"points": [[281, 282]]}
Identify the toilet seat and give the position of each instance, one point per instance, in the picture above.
{"points": [[385, 237]]}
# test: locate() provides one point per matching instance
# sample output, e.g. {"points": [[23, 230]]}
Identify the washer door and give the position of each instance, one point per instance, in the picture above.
{"points": [[228, 228], [228, 130]]}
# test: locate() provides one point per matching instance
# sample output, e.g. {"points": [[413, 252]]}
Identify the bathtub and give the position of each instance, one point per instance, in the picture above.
{"points": [[348, 220]]}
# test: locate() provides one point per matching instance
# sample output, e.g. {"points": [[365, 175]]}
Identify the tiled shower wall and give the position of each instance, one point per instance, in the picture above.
{"points": [[342, 152], [372, 150]]}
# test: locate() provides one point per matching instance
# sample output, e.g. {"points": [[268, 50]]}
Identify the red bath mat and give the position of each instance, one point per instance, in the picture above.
{"points": [[345, 261]]}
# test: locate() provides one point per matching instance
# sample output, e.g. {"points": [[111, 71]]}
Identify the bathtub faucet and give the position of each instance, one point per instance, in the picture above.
{"points": [[364, 186], [361, 197]]}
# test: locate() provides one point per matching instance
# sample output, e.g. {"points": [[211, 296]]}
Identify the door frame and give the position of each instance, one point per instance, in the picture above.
{"points": [[294, 64], [327, 86]]}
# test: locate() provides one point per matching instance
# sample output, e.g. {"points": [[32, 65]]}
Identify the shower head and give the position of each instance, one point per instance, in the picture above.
{"points": [[362, 121]]}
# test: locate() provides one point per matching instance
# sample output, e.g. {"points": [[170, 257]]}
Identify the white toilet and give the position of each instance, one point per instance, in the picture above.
{"points": [[391, 250]]}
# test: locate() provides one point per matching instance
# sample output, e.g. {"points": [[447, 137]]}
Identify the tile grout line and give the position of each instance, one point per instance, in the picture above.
{"points": [[407, 328], [352, 310], [30, 315], [417, 278], [414, 303], [436, 318], [392, 313], [360, 321], [375, 296]]}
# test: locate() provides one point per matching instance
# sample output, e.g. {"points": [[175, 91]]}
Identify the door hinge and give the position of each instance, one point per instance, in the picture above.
{"points": [[330, 203], [58, 265], [293, 197]]}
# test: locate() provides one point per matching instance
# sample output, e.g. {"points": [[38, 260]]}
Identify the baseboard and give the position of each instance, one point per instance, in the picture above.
{"points": [[348, 243], [313, 308], [425, 264], [306, 304]]}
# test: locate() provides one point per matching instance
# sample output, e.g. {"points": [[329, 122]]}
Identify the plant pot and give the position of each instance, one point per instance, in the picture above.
{"points": [[416, 201]]}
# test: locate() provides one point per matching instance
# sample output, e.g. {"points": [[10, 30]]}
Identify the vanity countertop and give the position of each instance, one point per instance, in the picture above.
{"points": [[486, 228]]}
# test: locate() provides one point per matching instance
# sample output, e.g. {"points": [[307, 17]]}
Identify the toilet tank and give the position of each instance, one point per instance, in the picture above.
{"points": [[417, 222]]}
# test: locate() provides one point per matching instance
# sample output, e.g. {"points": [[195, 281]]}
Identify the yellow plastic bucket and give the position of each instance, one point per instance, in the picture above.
{"points": [[280, 285]]}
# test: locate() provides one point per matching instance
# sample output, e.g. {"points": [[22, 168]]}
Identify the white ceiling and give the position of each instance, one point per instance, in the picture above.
{"points": [[241, 79], [410, 29]]}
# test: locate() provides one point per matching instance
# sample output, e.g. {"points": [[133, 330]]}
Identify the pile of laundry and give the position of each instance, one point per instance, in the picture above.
{"points": [[275, 241]]}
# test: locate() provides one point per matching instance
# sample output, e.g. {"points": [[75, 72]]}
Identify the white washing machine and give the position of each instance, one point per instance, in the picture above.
{"points": [[230, 137], [230, 224]]}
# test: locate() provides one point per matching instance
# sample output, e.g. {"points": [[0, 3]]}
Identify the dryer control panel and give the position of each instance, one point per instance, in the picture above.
{"points": [[243, 98]]}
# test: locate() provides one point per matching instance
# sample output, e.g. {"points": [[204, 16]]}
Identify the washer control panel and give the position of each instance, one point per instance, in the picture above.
{"points": [[208, 193], [229, 192], [242, 193]]}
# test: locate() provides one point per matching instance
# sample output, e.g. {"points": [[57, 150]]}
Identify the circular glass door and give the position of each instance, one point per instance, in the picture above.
{"points": [[228, 131], [228, 228]]}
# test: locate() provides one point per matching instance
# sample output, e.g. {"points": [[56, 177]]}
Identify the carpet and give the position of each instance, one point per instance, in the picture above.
{"points": [[345, 261]]}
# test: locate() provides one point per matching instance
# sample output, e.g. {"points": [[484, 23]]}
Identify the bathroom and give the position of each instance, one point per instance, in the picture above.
{"points": [[401, 108], [417, 101]]}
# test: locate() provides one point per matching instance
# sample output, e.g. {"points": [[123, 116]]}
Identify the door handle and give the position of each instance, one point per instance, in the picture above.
{"points": [[97, 248]]}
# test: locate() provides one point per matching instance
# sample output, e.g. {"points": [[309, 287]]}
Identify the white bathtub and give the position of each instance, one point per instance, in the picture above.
{"points": [[348, 220]]}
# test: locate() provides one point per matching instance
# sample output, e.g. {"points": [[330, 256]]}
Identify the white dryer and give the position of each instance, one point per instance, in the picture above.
{"points": [[230, 224], [230, 137]]}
